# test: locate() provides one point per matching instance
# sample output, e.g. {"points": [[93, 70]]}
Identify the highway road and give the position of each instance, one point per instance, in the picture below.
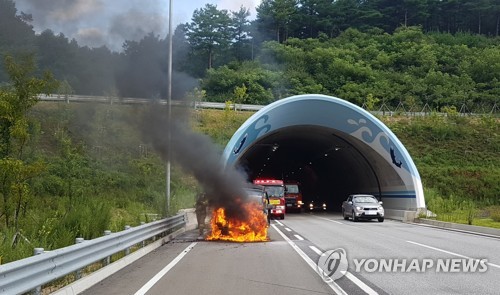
{"points": [[287, 264]]}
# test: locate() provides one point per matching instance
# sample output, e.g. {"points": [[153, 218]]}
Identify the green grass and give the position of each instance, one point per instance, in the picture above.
{"points": [[456, 156], [487, 222], [101, 175]]}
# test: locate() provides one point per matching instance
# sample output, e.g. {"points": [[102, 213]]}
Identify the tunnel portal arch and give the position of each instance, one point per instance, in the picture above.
{"points": [[333, 147]]}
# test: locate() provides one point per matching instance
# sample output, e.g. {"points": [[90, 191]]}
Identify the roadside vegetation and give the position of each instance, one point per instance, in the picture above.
{"points": [[75, 170], [98, 174], [458, 159]]}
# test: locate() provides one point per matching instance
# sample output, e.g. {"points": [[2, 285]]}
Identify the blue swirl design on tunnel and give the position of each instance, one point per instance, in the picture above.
{"points": [[369, 136], [257, 129], [317, 110]]}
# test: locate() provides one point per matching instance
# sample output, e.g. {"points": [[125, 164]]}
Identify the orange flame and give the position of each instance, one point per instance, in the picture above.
{"points": [[252, 230]]}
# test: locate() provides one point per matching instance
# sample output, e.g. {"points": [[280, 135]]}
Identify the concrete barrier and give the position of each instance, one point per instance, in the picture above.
{"points": [[191, 222], [460, 227], [402, 215]]}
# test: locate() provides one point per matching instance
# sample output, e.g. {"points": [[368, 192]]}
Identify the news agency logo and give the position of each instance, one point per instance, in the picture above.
{"points": [[440, 265], [332, 264]]}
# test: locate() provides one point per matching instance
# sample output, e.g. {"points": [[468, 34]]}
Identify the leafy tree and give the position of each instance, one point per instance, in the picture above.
{"points": [[221, 83], [209, 33], [16, 100], [55, 53], [65, 90], [94, 70], [241, 34], [346, 14], [16, 32], [145, 69], [277, 16], [371, 102], [180, 49], [240, 93]]}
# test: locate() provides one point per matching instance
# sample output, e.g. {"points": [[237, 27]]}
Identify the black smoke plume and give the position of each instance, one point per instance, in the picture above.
{"points": [[198, 155]]}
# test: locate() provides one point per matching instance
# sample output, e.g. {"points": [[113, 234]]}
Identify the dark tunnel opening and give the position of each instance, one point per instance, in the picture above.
{"points": [[329, 164]]}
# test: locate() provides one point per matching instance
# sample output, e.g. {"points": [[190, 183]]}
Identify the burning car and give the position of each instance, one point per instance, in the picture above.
{"points": [[249, 226]]}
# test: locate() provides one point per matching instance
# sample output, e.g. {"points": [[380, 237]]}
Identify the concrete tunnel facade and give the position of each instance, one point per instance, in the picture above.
{"points": [[332, 147]]}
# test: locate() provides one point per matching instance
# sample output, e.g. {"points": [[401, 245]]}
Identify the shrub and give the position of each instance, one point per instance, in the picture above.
{"points": [[494, 213]]}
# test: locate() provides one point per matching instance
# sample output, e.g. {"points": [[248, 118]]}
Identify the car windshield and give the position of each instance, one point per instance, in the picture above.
{"points": [[254, 193], [365, 199], [275, 190], [292, 188]]}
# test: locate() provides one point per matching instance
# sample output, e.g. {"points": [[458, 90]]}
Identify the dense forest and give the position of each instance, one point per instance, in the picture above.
{"points": [[416, 52]]}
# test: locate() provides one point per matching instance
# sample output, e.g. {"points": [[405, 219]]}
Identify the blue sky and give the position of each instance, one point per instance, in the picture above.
{"points": [[110, 22]]}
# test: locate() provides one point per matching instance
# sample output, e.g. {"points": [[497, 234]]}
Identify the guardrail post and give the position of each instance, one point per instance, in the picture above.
{"points": [[143, 242], [37, 290], [127, 251], [106, 260], [78, 273]]}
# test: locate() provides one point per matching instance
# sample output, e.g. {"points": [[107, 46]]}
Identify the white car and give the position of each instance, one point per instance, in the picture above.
{"points": [[362, 207]]}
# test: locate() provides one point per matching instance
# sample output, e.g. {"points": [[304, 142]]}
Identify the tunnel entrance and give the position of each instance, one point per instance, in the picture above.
{"points": [[324, 161], [333, 148]]}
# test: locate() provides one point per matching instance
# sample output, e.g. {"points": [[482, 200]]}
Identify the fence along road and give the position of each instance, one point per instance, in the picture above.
{"points": [[384, 110]]}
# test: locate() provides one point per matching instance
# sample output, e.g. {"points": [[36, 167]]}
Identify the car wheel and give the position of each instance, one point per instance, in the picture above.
{"points": [[282, 216], [354, 218], [343, 215], [381, 219]]}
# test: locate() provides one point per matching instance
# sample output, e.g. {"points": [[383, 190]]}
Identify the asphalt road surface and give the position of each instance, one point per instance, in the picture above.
{"points": [[287, 264]]}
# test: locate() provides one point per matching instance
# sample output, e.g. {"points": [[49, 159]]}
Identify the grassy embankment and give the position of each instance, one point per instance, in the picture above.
{"points": [[100, 175], [459, 161]]}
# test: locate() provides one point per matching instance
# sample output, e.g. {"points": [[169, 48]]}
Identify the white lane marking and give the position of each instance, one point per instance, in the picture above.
{"points": [[360, 284], [334, 221], [287, 229], [449, 252], [336, 288], [164, 271], [316, 250], [279, 223], [350, 276], [299, 237]]}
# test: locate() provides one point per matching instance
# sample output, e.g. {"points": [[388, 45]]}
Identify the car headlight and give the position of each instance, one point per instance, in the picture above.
{"points": [[359, 208], [311, 205], [324, 205], [380, 208]]}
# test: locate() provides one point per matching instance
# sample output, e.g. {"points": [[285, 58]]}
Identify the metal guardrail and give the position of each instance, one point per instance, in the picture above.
{"points": [[383, 111], [129, 100], [30, 273]]}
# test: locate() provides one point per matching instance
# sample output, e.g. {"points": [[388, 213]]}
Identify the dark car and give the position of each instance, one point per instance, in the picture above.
{"points": [[316, 205]]}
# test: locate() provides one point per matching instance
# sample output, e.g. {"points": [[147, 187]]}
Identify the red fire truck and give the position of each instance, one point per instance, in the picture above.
{"points": [[293, 196], [275, 190]]}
